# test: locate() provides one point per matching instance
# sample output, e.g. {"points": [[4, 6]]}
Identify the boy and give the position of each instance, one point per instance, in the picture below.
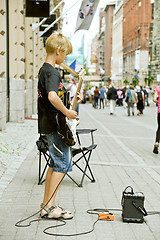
{"points": [[49, 103]]}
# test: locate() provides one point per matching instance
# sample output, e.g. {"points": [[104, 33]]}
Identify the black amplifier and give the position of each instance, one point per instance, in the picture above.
{"points": [[133, 206]]}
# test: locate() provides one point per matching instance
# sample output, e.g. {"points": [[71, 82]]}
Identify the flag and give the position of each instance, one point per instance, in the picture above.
{"points": [[73, 65], [86, 14]]}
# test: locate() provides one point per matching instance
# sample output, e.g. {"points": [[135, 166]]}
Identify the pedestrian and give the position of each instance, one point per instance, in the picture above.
{"points": [[156, 99], [49, 104], [112, 96], [92, 95], [131, 99], [102, 95], [143, 89], [88, 94], [150, 95], [120, 97], [73, 88], [96, 96], [140, 100]]}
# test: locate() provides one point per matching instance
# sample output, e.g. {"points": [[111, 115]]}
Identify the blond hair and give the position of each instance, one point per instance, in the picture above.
{"points": [[58, 40]]}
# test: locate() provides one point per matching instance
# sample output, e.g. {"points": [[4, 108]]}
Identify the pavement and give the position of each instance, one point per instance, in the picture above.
{"points": [[123, 157]]}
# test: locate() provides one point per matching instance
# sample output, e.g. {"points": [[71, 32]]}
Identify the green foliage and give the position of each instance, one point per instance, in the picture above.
{"points": [[135, 81], [149, 80], [126, 81]]}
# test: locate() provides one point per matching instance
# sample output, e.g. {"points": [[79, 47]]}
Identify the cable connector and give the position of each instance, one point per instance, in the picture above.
{"points": [[106, 216]]}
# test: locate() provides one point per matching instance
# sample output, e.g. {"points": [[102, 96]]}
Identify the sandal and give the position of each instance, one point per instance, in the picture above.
{"points": [[44, 211], [58, 212]]}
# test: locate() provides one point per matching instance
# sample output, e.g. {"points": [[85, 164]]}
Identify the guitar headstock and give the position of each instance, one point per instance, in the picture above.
{"points": [[82, 73]]}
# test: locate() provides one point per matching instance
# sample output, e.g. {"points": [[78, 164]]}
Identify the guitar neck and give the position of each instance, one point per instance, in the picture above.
{"points": [[81, 76]]}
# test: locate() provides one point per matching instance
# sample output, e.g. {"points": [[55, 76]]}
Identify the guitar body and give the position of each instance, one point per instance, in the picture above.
{"points": [[66, 128]]}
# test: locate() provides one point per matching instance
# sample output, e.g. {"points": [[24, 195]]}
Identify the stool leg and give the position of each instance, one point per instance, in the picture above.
{"points": [[39, 177]]}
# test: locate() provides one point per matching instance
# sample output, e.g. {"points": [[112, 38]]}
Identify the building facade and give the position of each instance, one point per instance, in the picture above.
{"points": [[117, 45], [22, 53], [108, 38], [101, 64], [94, 54], [137, 21], [155, 63]]}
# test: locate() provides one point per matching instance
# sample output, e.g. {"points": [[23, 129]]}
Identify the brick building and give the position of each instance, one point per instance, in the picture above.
{"points": [[137, 24]]}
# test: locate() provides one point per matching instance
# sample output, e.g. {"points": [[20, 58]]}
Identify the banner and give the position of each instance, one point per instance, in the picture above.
{"points": [[86, 14], [73, 65]]}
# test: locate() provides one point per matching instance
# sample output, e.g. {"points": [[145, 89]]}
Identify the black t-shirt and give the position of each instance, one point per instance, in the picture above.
{"points": [[49, 80]]}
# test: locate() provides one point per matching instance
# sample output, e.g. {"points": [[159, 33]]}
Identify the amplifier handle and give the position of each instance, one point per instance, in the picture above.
{"points": [[126, 189]]}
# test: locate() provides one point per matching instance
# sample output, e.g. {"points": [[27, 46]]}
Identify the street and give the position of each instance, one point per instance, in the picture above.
{"points": [[123, 157]]}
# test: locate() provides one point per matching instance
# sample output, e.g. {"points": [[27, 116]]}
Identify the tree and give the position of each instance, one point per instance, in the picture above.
{"points": [[135, 81], [126, 81], [149, 80]]}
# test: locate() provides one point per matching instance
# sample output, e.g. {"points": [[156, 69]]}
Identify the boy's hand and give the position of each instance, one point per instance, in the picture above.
{"points": [[71, 114], [79, 97]]}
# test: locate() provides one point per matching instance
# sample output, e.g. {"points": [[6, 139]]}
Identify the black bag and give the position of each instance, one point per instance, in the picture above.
{"points": [[109, 95], [139, 95]]}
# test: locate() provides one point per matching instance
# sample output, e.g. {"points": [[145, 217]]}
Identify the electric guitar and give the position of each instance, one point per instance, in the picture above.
{"points": [[66, 127]]}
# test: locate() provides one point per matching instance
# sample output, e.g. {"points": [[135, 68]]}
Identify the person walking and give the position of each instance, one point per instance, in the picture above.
{"points": [[102, 95], [49, 104], [140, 100], [120, 97], [92, 95], [131, 99], [96, 96], [73, 88], [112, 96], [156, 99]]}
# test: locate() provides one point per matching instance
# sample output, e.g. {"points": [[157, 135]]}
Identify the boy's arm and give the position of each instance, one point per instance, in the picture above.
{"points": [[57, 103]]}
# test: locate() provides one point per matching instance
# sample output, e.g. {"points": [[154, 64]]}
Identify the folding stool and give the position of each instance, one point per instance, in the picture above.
{"points": [[85, 154], [42, 145]]}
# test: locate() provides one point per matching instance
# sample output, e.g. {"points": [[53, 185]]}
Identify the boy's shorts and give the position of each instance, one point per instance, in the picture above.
{"points": [[60, 154]]}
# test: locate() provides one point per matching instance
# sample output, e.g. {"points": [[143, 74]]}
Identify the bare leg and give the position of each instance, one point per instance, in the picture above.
{"points": [[52, 181], [47, 183]]}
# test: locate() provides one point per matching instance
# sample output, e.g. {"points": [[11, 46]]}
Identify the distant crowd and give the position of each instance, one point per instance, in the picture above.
{"points": [[128, 96]]}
